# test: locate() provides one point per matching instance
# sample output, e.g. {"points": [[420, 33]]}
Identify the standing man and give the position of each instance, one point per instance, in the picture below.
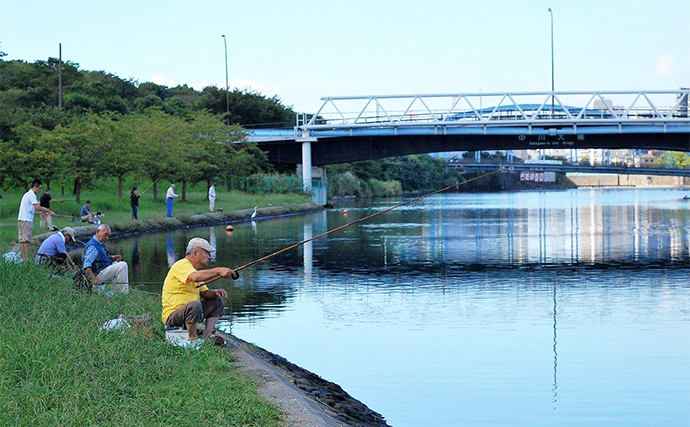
{"points": [[212, 197], [134, 202], [46, 219], [53, 250], [25, 220], [103, 267], [169, 198], [184, 284]]}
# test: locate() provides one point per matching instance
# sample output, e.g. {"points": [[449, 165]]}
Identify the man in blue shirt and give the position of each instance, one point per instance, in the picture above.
{"points": [[86, 214], [53, 249], [103, 267]]}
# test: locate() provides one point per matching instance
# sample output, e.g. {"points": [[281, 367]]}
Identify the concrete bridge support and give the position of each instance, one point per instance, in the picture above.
{"points": [[306, 161]]}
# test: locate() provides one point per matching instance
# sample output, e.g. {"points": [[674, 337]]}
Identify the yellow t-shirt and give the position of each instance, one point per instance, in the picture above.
{"points": [[177, 291]]}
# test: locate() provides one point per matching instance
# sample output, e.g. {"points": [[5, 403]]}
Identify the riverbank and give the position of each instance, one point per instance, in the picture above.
{"points": [[304, 398], [151, 211], [132, 227], [72, 372], [59, 368]]}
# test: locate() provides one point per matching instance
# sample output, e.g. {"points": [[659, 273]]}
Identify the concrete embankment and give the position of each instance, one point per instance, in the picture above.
{"points": [[306, 398], [638, 181]]}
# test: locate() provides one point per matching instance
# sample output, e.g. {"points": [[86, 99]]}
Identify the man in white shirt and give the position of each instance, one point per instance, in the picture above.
{"points": [[169, 197], [25, 220], [212, 197]]}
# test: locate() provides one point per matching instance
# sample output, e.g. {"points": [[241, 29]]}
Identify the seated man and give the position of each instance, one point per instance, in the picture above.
{"points": [[86, 215], [181, 290], [53, 250], [103, 267]]}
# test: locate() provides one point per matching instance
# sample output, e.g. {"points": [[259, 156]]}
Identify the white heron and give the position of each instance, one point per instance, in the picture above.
{"points": [[254, 213]]}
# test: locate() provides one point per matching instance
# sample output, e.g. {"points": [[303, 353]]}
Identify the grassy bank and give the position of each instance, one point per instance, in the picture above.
{"points": [[104, 198], [57, 368]]}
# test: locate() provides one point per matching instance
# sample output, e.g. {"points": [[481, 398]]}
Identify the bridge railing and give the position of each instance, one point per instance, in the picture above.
{"points": [[499, 109]]}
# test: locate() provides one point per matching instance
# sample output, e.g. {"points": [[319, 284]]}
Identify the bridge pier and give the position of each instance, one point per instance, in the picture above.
{"points": [[306, 161]]}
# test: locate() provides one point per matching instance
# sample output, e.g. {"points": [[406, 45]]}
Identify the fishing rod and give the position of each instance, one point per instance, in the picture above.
{"points": [[150, 185], [416, 199]]}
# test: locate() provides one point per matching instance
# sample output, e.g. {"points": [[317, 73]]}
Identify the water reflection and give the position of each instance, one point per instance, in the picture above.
{"points": [[458, 310], [170, 251], [444, 236]]}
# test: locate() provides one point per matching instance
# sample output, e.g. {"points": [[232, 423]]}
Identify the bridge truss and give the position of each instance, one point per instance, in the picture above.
{"points": [[445, 112]]}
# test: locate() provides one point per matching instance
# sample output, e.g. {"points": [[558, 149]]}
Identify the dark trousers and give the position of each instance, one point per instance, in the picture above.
{"points": [[192, 312], [134, 212]]}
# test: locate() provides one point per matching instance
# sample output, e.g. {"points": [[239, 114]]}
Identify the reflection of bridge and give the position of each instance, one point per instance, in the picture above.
{"points": [[536, 167], [349, 129]]}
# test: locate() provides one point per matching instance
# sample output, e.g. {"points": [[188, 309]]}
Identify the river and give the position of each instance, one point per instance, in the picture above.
{"points": [[566, 308]]}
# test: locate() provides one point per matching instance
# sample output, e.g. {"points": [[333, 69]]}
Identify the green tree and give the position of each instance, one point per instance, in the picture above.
{"points": [[680, 160], [82, 145], [30, 156], [121, 155], [159, 138]]}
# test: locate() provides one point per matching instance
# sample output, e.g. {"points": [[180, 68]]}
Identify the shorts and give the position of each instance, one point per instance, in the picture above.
{"points": [[26, 231]]}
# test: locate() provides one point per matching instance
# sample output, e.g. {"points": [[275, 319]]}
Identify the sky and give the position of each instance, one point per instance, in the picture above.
{"points": [[304, 50]]}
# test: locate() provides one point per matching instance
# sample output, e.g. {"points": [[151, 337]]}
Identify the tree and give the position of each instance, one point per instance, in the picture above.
{"points": [[82, 144], [30, 157], [158, 137], [680, 160], [121, 155]]}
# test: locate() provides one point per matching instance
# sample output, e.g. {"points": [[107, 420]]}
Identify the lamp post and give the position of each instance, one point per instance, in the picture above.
{"points": [[552, 84], [227, 86]]}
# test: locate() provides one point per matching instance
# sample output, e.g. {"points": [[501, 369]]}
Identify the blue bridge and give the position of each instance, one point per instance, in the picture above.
{"points": [[346, 129]]}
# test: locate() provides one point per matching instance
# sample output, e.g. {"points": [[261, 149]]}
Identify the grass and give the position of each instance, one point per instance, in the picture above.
{"points": [[58, 369], [104, 198]]}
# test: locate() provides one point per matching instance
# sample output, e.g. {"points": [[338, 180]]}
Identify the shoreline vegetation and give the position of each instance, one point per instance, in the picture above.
{"points": [[60, 369]]}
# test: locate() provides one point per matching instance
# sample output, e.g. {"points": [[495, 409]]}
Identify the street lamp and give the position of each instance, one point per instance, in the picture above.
{"points": [[227, 86], [552, 85]]}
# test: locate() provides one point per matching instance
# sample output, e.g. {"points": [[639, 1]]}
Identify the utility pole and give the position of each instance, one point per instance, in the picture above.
{"points": [[60, 79], [227, 86]]}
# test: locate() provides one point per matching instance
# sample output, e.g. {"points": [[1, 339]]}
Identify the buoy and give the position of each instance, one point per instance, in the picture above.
{"points": [[345, 211], [229, 228]]}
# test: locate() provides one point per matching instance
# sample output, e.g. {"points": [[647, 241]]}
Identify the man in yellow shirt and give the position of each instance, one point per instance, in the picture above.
{"points": [[181, 304]]}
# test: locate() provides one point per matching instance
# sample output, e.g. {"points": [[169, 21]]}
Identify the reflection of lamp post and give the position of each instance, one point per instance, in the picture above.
{"points": [[552, 86], [227, 87]]}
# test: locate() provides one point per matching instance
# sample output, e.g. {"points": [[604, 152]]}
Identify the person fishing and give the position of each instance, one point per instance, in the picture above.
{"points": [[184, 286], [103, 267], [25, 220], [134, 202], [46, 218], [169, 200], [86, 215], [53, 250]]}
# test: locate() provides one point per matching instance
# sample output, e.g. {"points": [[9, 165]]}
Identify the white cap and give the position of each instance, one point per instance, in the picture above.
{"points": [[198, 242], [69, 231]]}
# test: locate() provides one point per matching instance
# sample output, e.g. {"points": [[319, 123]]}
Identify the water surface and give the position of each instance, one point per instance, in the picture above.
{"points": [[533, 308]]}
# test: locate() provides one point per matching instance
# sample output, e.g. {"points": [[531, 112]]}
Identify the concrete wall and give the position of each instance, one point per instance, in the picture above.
{"points": [[629, 180]]}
